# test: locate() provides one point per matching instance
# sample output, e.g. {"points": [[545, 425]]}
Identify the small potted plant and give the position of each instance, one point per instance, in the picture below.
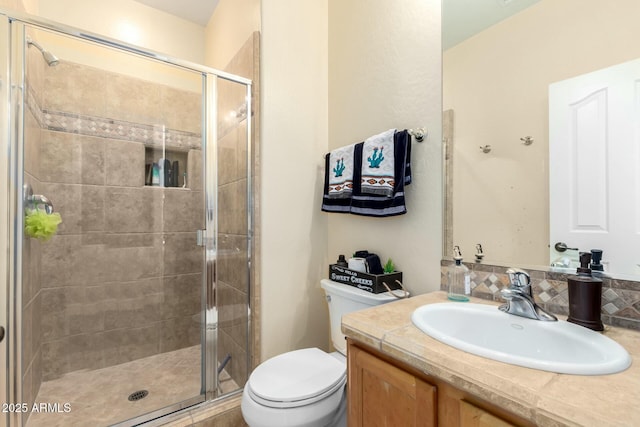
{"points": [[389, 267]]}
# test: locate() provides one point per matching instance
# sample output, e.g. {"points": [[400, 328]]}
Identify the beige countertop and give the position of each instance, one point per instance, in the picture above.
{"points": [[546, 398]]}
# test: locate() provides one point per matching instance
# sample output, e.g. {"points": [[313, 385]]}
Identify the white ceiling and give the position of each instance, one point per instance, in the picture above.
{"points": [[462, 19], [198, 11]]}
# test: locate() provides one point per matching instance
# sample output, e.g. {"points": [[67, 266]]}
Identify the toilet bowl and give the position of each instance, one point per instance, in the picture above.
{"points": [[299, 388], [307, 387]]}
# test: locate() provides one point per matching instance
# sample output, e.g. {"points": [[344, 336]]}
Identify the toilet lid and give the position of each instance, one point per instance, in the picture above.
{"points": [[296, 378]]}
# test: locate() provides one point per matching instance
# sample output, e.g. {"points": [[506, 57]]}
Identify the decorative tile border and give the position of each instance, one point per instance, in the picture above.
{"points": [[620, 298], [83, 124], [33, 104]]}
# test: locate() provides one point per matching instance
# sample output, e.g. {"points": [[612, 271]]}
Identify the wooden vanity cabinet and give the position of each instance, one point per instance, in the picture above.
{"points": [[472, 416], [380, 394], [383, 392]]}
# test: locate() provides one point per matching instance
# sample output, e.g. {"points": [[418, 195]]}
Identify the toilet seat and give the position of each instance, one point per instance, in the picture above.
{"points": [[296, 378]]}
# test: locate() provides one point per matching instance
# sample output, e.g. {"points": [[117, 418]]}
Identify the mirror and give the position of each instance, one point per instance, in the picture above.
{"points": [[499, 59]]}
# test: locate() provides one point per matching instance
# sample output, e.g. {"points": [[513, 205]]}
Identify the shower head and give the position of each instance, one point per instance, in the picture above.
{"points": [[51, 59]]}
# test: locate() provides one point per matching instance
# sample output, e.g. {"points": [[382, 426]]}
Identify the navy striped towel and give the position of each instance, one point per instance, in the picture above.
{"points": [[371, 204]]}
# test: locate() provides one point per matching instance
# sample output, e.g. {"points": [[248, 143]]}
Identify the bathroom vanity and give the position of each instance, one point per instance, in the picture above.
{"points": [[399, 374]]}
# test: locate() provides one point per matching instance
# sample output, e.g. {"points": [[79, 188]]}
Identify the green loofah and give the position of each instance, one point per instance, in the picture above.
{"points": [[40, 225]]}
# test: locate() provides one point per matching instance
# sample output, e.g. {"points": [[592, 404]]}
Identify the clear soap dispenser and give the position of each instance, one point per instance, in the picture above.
{"points": [[458, 279]]}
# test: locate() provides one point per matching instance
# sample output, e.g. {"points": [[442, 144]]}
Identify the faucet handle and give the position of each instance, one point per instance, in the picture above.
{"points": [[519, 278]]}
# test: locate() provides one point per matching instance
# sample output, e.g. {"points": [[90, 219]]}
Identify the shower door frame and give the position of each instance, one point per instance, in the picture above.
{"points": [[5, 213], [12, 103]]}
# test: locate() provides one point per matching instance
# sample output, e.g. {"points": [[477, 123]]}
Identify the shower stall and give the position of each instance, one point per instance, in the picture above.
{"points": [[137, 304]]}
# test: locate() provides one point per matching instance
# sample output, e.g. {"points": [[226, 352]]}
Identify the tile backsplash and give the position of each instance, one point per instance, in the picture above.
{"points": [[620, 298]]}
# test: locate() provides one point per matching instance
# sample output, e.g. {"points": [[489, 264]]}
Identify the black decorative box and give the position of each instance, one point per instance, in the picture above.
{"points": [[367, 282]]}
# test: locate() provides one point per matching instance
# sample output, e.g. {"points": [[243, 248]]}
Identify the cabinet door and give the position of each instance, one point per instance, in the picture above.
{"points": [[472, 416], [382, 395]]}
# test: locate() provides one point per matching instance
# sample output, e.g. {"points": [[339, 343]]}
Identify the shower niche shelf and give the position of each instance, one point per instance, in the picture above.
{"points": [[165, 168]]}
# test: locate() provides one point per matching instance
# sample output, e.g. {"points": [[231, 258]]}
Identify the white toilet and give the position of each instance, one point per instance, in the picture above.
{"points": [[306, 388]]}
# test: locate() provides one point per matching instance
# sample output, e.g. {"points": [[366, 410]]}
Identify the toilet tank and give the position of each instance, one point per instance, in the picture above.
{"points": [[343, 299]]}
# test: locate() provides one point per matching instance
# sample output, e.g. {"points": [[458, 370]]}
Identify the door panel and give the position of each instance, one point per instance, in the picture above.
{"points": [[112, 302], [594, 123]]}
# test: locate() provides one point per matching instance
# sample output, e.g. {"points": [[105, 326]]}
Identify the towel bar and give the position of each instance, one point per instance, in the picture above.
{"points": [[419, 134]]}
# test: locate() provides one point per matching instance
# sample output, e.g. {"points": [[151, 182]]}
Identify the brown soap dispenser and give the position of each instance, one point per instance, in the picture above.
{"points": [[585, 296]]}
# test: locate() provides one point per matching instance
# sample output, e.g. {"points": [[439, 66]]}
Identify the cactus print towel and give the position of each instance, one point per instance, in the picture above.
{"points": [[378, 164], [341, 172], [374, 205]]}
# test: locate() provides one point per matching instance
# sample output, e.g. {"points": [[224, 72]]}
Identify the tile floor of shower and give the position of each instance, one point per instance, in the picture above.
{"points": [[100, 397]]}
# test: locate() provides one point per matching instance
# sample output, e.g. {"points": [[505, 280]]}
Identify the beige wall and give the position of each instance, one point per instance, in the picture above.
{"points": [[294, 139], [29, 6], [308, 109], [231, 24], [400, 89], [131, 22], [12, 5], [497, 84], [384, 72]]}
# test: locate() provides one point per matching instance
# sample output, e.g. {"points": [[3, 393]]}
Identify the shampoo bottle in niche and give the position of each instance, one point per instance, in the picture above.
{"points": [[155, 174], [161, 172], [458, 279], [585, 296]]}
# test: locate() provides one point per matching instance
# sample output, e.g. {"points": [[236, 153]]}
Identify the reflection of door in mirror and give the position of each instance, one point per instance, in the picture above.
{"points": [[497, 82], [594, 193]]}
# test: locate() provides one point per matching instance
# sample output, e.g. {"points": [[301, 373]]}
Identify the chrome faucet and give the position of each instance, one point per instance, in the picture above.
{"points": [[519, 297]]}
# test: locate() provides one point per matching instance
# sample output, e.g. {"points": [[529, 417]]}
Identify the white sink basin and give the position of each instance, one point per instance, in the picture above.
{"points": [[484, 330]]}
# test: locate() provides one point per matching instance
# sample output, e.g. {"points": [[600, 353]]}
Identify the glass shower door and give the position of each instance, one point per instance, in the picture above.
{"points": [[112, 303], [234, 226]]}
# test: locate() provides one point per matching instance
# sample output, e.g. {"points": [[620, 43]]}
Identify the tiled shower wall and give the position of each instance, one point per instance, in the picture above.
{"points": [[122, 278], [233, 276], [620, 298]]}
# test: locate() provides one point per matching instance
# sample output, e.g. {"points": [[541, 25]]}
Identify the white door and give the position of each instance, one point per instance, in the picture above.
{"points": [[594, 164]]}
